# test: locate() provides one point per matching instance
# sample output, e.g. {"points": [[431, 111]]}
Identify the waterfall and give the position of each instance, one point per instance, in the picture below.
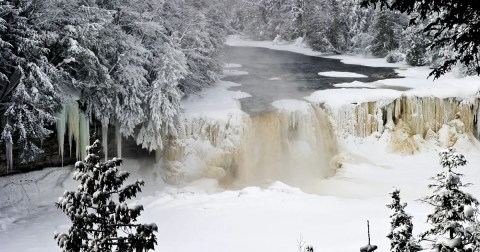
{"points": [[292, 146], [105, 139]]}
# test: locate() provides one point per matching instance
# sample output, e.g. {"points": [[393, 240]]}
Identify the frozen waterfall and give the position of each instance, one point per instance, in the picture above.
{"points": [[291, 146]]}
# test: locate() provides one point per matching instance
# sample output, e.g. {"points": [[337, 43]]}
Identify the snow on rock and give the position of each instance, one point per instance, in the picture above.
{"points": [[342, 74]]}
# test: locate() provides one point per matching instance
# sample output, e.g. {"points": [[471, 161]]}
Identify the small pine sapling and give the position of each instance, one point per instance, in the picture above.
{"points": [[101, 219], [400, 226], [368, 247], [452, 221]]}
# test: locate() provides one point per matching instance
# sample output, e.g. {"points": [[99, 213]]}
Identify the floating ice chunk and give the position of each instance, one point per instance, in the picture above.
{"points": [[342, 74]]}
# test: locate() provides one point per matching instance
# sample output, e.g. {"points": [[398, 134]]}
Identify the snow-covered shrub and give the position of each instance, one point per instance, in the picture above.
{"points": [[395, 56], [401, 226], [101, 219], [453, 225]]}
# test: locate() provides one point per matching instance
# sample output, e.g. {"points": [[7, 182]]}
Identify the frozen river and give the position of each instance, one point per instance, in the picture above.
{"points": [[275, 75]]}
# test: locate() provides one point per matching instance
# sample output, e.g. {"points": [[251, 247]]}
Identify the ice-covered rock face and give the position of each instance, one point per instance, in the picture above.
{"points": [[410, 121]]}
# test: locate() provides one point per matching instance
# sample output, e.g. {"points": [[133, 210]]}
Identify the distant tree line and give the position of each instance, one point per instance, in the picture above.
{"points": [[436, 33]]}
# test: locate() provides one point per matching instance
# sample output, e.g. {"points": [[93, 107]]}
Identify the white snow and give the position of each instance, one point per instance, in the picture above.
{"points": [[342, 74], [336, 98], [275, 78], [356, 84], [415, 83], [329, 214], [291, 105], [298, 47], [364, 60], [215, 102], [203, 216]]}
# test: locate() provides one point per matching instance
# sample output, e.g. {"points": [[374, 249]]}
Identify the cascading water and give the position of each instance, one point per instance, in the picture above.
{"points": [[292, 146]]}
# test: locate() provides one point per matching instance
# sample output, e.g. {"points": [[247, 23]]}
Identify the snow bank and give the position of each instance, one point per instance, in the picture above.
{"points": [[342, 74], [216, 102], [363, 60], [336, 98], [355, 84], [297, 47]]}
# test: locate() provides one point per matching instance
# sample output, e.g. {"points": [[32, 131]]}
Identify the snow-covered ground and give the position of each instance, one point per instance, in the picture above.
{"points": [[203, 215]]}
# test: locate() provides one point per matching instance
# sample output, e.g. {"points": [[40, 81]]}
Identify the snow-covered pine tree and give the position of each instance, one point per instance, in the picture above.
{"points": [[29, 97], [415, 45], [101, 219], [168, 67], [451, 219], [386, 33], [401, 226]]}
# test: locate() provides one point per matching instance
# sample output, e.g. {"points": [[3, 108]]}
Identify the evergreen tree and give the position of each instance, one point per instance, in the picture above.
{"points": [[450, 219], [400, 226], [101, 218], [386, 32], [415, 46], [29, 95], [451, 23]]}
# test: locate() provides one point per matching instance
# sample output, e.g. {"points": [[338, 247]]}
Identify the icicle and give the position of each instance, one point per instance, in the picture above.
{"points": [[118, 139], [61, 128], [105, 139], [73, 122], [9, 154], [84, 131]]}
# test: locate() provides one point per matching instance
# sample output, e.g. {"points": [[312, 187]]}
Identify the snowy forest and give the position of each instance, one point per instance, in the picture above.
{"points": [[128, 63], [239, 125], [125, 62]]}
